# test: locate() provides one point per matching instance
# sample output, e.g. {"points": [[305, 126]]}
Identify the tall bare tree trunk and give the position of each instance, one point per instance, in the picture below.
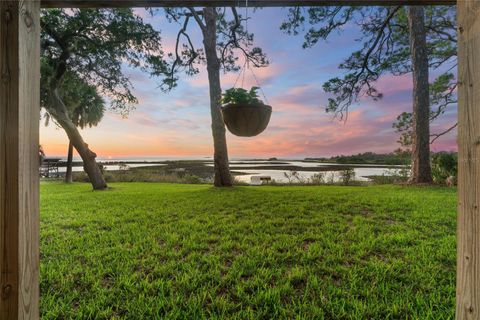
{"points": [[223, 177], [68, 173], [421, 171], [88, 156]]}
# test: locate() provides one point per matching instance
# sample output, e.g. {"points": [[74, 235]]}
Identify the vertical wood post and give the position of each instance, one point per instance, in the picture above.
{"points": [[468, 229], [19, 160]]}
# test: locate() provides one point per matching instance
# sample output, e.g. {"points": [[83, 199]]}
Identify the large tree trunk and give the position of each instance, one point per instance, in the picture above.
{"points": [[420, 172], [68, 173], [88, 156], [223, 177]]}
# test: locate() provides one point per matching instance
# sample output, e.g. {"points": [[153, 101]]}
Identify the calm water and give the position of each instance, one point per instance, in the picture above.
{"points": [[280, 175], [276, 174], [112, 167]]}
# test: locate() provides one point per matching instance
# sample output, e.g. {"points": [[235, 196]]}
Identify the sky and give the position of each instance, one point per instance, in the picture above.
{"points": [[177, 124]]}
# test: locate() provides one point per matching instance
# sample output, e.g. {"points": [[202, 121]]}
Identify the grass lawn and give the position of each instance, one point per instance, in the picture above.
{"points": [[166, 251]]}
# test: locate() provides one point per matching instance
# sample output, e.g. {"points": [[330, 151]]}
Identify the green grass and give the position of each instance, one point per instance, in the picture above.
{"points": [[165, 251]]}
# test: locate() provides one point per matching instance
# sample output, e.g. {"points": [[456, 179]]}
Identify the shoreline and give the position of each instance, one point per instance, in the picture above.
{"points": [[256, 164]]}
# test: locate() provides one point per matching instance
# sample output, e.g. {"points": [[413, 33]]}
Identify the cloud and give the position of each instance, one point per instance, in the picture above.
{"points": [[320, 136], [390, 84], [178, 123], [264, 75]]}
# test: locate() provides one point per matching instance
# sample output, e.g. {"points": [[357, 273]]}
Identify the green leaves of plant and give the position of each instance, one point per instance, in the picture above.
{"points": [[241, 96]]}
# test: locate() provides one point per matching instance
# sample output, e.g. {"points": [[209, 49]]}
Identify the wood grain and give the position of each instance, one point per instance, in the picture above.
{"points": [[19, 188], [228, 3], [19, 120], [468, 227]]}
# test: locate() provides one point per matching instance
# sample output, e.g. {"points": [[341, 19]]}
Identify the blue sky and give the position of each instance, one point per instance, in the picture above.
{"points": [[177, 124]]}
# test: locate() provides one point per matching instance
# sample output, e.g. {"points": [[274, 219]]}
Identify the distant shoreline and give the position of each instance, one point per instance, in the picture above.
{"points": [[283, 164]]}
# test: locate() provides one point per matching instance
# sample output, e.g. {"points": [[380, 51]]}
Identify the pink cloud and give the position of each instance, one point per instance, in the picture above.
{"points": [[178, 123], [264, 75], [316, 136], [390, 84]]}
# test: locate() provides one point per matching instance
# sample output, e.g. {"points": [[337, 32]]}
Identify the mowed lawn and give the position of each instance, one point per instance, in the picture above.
{"points": [[166, 251]]}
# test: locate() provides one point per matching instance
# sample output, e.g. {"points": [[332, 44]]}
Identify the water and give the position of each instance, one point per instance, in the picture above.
{"points": [[361, 174], [112, 167], [279, 175]]}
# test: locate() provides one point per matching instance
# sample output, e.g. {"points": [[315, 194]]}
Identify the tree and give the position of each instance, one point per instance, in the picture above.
{"points": [[442, 95], [397, 40], [88, 111], [420, 170], [41, 155], [92, 46], [85, 106], [222, 37]]}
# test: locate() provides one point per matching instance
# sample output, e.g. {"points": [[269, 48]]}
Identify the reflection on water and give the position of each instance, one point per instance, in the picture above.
{"points": [[279, 175], [112, 167]]}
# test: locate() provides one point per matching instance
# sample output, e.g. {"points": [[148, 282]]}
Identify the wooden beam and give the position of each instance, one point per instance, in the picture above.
{"points": [[229, 3], [19, 130], [468, 221]]}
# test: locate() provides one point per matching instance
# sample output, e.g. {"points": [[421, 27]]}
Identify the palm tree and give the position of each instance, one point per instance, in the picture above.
{"points": [[89, 112], [85, 107]]}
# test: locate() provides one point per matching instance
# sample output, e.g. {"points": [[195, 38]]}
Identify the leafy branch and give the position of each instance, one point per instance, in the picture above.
{"points": [[232, 38]]}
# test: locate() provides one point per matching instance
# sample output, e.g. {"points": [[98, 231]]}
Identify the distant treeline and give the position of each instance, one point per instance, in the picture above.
{"points": [[394, 158]]}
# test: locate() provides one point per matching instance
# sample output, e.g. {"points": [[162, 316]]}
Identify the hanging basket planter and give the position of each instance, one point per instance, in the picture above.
{"points": [[244, 114], [246, 120]]}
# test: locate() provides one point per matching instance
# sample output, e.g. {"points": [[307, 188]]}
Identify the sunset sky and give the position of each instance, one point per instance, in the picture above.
{"points": [[177, 124]]}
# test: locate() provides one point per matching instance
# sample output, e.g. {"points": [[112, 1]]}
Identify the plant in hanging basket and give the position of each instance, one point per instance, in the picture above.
{"points": [[244, 114]]}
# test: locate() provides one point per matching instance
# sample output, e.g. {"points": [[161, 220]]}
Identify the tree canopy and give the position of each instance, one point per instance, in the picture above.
{"points": [[86, 107], [233, 43], [384, 48], [88, 49], [94, 45]]}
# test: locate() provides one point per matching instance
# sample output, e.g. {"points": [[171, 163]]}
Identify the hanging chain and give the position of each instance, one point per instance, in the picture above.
{"points": [[259, 86], [242, 72], [248, 62], [245, 71], [246, 20], [246, 65]]}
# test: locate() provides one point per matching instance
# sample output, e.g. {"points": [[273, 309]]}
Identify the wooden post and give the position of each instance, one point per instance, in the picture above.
{"points": [[468, 229], [19, 120], [19, 160]]}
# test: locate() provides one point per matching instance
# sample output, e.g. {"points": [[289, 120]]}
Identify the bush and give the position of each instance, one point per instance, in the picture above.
{"points": [[142, 176], [444, 167], [317, 178], [294, 177], [391, 176], [347, 176]]}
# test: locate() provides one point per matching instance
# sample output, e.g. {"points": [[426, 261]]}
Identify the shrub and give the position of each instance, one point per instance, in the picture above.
{"points": [[241, 96], [347, 176], [142, 176], [391, 176], [294, 177], [317, 178], [123, 166], [444, 165]]}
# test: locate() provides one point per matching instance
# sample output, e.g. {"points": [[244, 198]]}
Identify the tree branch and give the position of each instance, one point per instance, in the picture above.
{"points": [[197, 18], [438, 135], [352, 83]]}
